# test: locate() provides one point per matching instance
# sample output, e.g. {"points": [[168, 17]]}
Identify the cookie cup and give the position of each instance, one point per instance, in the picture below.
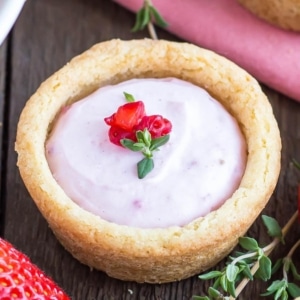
{"points": [[284, 14], [150, 255]]}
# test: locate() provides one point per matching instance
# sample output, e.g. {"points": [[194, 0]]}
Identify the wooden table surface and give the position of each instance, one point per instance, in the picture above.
{"points": [[48, 33]]}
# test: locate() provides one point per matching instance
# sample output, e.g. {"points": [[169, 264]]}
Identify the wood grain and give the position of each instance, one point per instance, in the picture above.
{"points": [[47, 35], [3, 60]]}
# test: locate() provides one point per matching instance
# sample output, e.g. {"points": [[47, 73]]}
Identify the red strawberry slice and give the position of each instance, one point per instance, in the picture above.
{"points": [[116, 134], [127, 116], [156, 125], [20, 279]]}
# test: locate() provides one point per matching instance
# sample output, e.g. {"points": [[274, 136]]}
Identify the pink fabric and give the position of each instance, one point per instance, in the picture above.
{"points": [[270, 54]]}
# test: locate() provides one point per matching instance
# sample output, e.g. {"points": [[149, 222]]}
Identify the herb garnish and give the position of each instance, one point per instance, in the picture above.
{"points": [[132, 129], [146, 145], [145, 16], [254, 263]]}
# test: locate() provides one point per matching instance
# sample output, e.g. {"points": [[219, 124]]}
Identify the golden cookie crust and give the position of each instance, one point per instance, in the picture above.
{"points": [[285, 13], [150, 255]]}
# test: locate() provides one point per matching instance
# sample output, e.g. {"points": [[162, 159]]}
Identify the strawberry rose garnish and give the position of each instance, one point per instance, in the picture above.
{"points": [[131, 128]]}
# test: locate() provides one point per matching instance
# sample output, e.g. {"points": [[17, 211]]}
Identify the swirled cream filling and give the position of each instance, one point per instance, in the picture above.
{"points": [[195, 172]]}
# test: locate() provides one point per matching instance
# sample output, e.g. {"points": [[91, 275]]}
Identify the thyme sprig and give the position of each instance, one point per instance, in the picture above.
{"points": [[146, 16], [255, 263], [282, 289], [146, 145]]}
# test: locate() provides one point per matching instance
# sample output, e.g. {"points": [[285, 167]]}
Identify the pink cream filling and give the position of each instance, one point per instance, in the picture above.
{"points": [[195, 172]]}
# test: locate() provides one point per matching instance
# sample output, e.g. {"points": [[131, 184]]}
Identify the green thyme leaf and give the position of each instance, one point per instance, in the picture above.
{"points": [[210, 275], [283, 295], [213, 293], [260, 253], [160, 21], [268, 293], [128, 97], [274, 230], [249, 244], [147, 138], [224, 282], [217, 283], [294, 271], [247, 272], [293, 290], [265, 268], [232, 272], [140, 145], [143, 17], [277, 266], [231, 289], [131, 145], [144, 138], [146, 17], [140, 136], [144, 144], [158, 142], [296, 164], [200, 298], [140, 17], [287, 264], [144, 167], [275, 286]]}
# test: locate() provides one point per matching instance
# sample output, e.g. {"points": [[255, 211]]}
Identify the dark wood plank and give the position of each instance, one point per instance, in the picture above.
{"points": [[3, 56], [47, 35]]}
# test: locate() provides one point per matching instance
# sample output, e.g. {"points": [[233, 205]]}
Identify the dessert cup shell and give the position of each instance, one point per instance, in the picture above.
{"points": [[284, 14], [162, 254]]}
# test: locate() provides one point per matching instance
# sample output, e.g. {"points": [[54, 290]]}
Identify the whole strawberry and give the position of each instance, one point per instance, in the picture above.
{"points": [[20, 279]]}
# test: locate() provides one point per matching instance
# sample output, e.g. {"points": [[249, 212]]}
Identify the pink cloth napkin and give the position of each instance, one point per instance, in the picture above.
{"points": [[270, 54]]}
